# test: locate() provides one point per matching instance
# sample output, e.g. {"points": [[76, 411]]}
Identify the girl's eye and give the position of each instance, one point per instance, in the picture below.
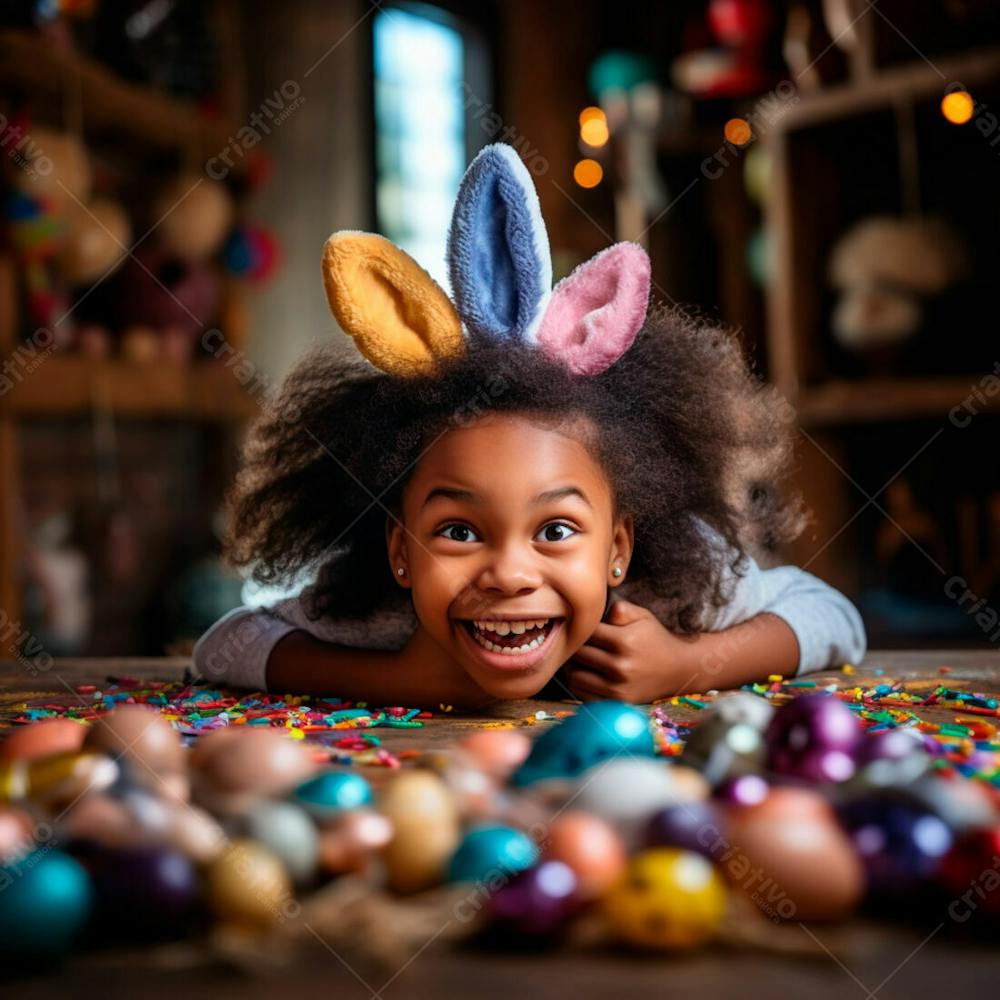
{"points": [[556, 532], [458, 533]]}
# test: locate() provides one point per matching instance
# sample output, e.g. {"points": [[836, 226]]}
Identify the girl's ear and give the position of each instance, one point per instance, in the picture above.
{"points": [[399, 317], [498, 249], [595, 313], [622, 543], [395, 538]]}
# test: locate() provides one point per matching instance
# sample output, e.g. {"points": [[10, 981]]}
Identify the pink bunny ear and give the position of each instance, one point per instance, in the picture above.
{"points": [[595, 313]]}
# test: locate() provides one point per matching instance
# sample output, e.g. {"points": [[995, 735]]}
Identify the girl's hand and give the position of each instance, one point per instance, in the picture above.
{"points": [[630, 657]]}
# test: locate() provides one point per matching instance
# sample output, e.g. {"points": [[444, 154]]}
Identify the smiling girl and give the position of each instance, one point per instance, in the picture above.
{"points": [[560, 492]]}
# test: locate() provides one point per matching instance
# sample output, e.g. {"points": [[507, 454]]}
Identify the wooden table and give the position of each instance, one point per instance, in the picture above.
{"points": [[935, 958]]}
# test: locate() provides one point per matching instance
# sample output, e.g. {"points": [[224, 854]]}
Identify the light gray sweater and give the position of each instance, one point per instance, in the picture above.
{"points": [[828, 628]]}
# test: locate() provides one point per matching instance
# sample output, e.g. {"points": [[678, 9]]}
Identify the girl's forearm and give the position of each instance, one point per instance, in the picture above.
{"points": [[413, 676], [750, 651]]}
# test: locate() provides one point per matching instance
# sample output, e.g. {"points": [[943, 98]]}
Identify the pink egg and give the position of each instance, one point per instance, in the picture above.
{"points": [[43, 739], [498, 751], [590, 846], [143, 741], [789, 856]]}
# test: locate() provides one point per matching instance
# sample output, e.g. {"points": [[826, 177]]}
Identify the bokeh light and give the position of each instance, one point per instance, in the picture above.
{"points": [[957, 107], [738, 131], [594, 131], [588, 173], [591, 114]]}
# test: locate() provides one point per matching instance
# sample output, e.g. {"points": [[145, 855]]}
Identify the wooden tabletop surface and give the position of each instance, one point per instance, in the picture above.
{"points": [[932, 958]]}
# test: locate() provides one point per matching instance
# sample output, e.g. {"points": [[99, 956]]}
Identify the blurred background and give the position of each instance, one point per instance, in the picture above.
{"points": [[821, 175]]}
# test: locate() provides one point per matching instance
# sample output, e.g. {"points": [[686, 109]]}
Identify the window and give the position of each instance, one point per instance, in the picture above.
{"points": [[423, 62]]}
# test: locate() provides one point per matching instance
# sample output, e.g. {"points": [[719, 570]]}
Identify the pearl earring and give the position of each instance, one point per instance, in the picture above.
{"points": [[401, 571], [617, 571]]}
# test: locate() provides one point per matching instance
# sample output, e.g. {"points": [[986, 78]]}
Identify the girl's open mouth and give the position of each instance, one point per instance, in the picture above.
{"points": [[511, 645]]}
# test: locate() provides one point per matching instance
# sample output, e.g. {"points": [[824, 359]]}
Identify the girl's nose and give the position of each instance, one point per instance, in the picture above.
{"points": [[510, 570]]}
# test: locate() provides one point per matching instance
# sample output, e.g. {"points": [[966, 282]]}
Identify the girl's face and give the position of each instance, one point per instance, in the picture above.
{"points": [[509, 542]]}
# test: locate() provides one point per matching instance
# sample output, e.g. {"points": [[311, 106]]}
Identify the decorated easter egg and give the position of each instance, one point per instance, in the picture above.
{"points": [[426, 830], [720, 748], [247, 884], [43, 739], [900, 845], [16, 833], [333, 792], [692, 826], [349, 843], [234, 768], [491, 853], [46, 899], [887, 759], [141, 740], [743, 707], [56, 782], [626, 792], [288, 833], [667, 899], [537, 902], [814, 737], [590, 846], [143, 891], [597, 732], [499, 752], [789, 857], [970, 872]]}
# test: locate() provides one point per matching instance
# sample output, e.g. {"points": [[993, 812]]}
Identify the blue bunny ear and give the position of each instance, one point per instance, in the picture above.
{"points": [[498, 249]]}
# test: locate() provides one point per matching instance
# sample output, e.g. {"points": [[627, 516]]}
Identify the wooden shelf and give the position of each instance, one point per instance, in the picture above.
{"points": [[901, 83], [873, 400], [64, 386], [32, 64]]}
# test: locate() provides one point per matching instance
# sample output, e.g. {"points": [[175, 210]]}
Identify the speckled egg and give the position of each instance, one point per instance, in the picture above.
{"points": [[668, 899], [491, 852], [590, 846], [598, 731]]}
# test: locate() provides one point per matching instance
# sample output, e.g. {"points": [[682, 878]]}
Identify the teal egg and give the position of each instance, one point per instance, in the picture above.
{"points": [[333, 792], [490, 852], [599, 730], [45, 898]]}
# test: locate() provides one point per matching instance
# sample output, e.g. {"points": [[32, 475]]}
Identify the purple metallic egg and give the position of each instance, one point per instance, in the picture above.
{"points": [[889, 744], [900, 845], [537, 902], [692, 826], [143, 891], [814, 737]]}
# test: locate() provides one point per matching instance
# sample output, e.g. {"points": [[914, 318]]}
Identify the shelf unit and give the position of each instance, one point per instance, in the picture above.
{"points": [[811, 202], [65, 386]]}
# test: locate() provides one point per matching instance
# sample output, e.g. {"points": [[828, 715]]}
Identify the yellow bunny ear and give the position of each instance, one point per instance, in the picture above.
{"points": [[400, 318]]}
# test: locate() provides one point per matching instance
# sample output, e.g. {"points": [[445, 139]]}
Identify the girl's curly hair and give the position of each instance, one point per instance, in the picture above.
{"points": [[686, 434]]}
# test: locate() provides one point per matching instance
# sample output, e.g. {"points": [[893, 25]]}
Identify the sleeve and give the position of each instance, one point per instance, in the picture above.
{"points": [[235, 650], [826, 624]]}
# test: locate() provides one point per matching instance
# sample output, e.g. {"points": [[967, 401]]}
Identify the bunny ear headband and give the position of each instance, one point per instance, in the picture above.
{"points": [[501, 276]]}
